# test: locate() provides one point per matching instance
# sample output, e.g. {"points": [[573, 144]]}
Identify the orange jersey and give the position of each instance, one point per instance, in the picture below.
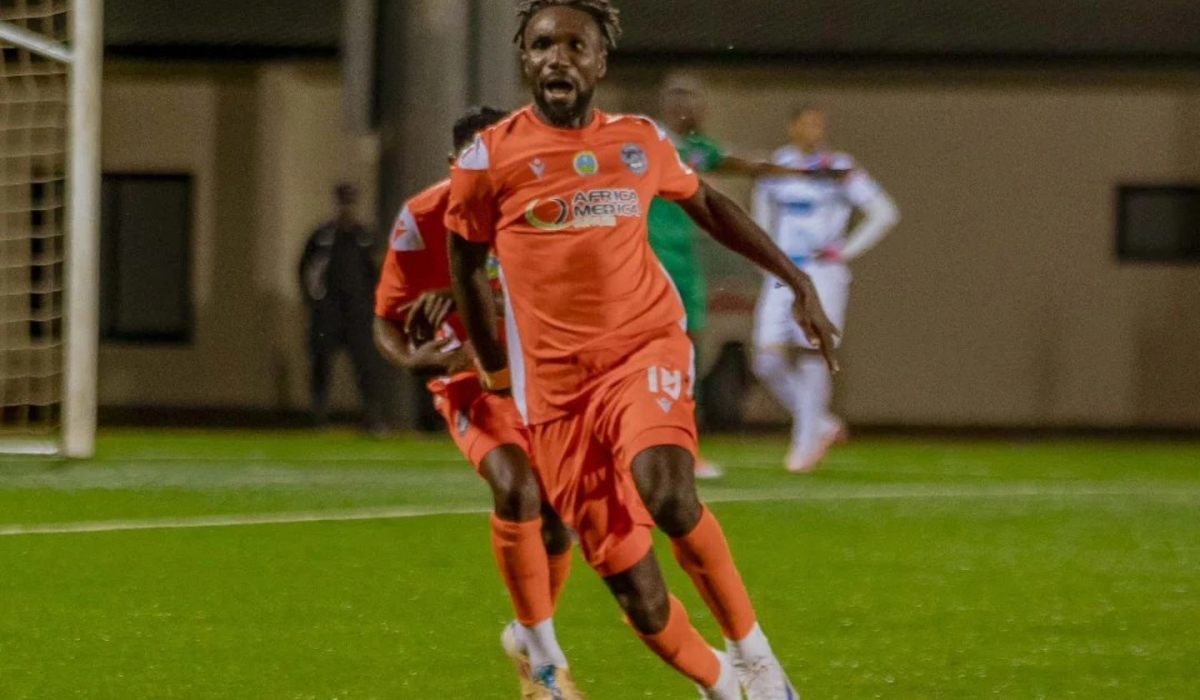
{"points": [[566, 212], [417, 258]]}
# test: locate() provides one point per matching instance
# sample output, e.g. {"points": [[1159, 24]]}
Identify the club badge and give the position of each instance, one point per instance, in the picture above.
{"points": [[635, 159]]}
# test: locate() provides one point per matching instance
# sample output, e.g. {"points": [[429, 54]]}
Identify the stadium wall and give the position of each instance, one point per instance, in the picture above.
{"points": [[265, 147], [998, 301]]}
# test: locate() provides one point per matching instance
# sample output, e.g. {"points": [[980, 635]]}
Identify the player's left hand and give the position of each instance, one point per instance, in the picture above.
{"points": [[427, 314], [818, 329]]}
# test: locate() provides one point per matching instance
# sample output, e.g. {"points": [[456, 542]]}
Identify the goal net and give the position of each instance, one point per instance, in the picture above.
{"points": [[49, 176]]}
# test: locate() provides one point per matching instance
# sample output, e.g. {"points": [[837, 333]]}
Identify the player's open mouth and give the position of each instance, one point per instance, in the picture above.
{"points": [[558, 89]]}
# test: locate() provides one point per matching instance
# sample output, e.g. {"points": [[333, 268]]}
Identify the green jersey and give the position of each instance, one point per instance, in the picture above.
{"points": [[673, 233]]}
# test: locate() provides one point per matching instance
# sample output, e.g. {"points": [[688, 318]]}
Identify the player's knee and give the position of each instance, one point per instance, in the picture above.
{"points": [[515, 491], [665, 479], [769, 364]]}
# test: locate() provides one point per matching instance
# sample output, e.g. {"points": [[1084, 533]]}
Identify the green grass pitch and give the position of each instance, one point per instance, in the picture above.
{"points": [[297, 566]]}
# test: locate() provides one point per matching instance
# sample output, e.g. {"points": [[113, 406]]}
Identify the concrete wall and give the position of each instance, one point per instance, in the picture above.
{"points": [[265, 147], [998, 300]]}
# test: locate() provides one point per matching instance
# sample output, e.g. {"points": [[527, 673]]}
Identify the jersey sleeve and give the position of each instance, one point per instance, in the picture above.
{"points": [[473, 206], [677, 180], [400, 279], [714, 155], [859, 188]]}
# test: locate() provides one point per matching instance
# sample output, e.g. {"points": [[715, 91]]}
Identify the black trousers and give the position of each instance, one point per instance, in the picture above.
{"points": [[330, 334]]}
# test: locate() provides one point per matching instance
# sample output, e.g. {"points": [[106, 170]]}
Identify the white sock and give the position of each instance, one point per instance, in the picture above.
{"points": [[812, 388], [542, 645], [753, 646], [727, 681]]}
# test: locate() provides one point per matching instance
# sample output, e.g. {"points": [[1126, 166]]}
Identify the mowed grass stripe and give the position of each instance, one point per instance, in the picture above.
{"points": [[866, 493]]}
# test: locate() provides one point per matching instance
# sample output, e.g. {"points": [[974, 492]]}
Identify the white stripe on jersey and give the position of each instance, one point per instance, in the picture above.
{"points": [[516, 354]]}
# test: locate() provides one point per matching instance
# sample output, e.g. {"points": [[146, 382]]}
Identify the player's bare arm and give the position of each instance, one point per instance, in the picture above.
{"points": [[475, 301], [733, 165], [414, 344], [432, 356], [733, 228]]}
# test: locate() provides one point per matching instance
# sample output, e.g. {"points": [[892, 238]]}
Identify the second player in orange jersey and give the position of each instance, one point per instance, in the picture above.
{"points": [[415, 328]]}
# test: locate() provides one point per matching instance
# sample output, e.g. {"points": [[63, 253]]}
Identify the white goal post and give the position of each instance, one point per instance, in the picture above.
{"points": [[49, 224]]}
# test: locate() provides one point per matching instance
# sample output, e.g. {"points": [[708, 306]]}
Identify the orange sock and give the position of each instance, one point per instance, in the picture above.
{"points": [[704, 554], [681, 646], [560, 571], [521, 557]]}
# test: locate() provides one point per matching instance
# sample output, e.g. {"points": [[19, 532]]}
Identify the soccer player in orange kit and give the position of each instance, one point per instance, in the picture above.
{"points": [[601, 367], [415, 328]]}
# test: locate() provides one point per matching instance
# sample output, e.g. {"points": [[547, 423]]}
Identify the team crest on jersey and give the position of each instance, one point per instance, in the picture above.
{"points": [[635, 159], [586, 163]]}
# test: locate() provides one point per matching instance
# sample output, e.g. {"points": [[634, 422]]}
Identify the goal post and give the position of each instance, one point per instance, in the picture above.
{"points": [[50, 78]]}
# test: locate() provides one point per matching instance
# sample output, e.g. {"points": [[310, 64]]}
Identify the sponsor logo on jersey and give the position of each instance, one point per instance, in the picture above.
{"points": [[635, 159], [600, 208], [586, 164], [538, 166], [463, 423]]}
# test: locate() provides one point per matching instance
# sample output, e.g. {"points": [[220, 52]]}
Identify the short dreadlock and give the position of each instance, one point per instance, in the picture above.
{"points": [[607, 16]]}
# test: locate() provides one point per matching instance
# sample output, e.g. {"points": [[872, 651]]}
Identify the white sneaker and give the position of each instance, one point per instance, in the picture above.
{"points": [[841, 433], [546, 683], [764, 679], [727, 687], [797, 463]]}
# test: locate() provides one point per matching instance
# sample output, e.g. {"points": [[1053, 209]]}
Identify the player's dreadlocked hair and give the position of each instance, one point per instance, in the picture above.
{"points": [[475, 120], [607, 16]]}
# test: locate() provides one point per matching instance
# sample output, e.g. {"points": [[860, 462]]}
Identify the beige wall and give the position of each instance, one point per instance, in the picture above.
{"points": [[997, 301], [265, 146]]}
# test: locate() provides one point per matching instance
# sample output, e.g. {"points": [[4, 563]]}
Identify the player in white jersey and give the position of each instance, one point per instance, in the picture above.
{"points": [[809, 217]]}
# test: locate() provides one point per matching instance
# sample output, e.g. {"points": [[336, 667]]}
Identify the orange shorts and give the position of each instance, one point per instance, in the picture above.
{"points": [[478, 421], [584, 458]]}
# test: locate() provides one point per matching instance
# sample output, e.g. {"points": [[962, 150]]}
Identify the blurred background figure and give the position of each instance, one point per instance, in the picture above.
{"points": [[337, 276], [808, 217], [673, 234]]}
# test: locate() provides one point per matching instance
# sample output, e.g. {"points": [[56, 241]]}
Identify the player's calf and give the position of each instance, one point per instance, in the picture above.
{"points": [[662, 624], [555, 536]]}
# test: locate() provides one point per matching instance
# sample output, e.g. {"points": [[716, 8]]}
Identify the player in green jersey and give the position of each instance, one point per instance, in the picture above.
{"points": [[672, 232]]}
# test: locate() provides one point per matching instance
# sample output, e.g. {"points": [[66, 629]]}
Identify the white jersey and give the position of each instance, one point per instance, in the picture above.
{"points": [[808, 214]]}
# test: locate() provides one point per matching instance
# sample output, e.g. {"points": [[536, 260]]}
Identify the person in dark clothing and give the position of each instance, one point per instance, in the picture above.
{"points": [[337, 276]]}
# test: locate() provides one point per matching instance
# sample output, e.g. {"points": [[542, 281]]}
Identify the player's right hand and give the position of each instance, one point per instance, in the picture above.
{"points": [[426, 315], [432, 356], [818, 329]]}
